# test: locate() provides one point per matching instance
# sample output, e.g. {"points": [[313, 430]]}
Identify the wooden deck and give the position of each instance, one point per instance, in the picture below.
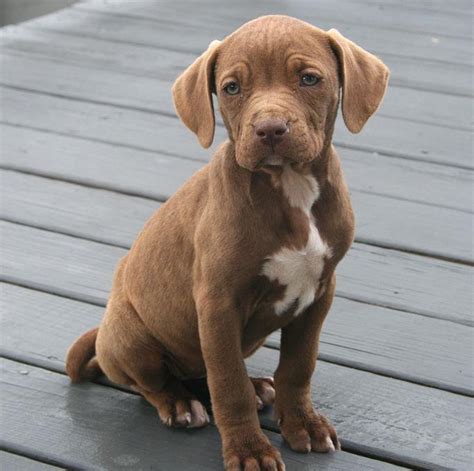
{"points": [[90, 146]]}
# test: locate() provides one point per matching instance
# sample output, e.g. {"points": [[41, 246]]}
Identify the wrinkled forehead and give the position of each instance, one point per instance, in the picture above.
{"points": [[274, 42]]}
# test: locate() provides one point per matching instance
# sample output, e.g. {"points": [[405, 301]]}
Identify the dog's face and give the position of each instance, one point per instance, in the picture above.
{"points": [[278, 89], [277, 80]]}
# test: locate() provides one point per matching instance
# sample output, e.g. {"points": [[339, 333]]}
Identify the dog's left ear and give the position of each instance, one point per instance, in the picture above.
{"points": [[192, 95], [364, 81]]}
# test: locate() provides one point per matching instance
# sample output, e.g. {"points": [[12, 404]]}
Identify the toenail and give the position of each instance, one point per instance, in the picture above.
{"points": [[330, 444]]}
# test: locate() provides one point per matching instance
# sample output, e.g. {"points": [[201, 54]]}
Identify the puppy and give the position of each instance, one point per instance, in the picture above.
{"points": [[248, 245]]}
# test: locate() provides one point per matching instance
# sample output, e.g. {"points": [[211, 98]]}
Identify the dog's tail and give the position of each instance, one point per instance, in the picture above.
{"points": [[80, 362]]}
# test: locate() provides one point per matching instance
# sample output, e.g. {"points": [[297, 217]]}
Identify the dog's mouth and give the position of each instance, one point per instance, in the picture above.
{"points": [[276, 164], [273, 160], [276, 160], [272, 164]]}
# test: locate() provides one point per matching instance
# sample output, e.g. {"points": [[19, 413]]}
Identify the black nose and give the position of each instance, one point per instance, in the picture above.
{"points": [[271, 131]]}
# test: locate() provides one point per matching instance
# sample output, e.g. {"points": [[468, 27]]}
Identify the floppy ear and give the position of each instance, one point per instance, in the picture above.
{"points": [[192, 95], [364, 81]]}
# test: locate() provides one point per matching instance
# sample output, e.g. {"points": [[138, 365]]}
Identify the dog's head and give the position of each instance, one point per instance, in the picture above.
{"points": [[278, 80]]}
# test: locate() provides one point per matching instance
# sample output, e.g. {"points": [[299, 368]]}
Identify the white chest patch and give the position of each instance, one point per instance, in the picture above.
{"points": [[298, 270]]}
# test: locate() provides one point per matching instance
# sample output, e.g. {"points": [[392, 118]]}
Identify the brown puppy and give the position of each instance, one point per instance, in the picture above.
{"points": [[248, 245]]}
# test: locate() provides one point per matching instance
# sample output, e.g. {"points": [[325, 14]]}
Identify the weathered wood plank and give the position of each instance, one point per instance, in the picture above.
{"points": [[99, 24], [117, 218], [83, 269], [103, 123], [389, 16], [158, 176], [166, 134], [45, 414], [140, 172], [414, 227], [128, 59], [12, 462], [423, 350], [80, 81]]}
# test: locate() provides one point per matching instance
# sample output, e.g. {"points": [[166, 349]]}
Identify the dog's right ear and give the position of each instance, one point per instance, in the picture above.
{"points": [[192, 95]]}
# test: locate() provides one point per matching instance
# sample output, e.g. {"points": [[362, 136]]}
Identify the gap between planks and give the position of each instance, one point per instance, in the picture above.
{"points": [[19, 458]]}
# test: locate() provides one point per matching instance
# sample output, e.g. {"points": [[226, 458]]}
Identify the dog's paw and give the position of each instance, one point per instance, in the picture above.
{"points": [[309, 431], [264, 391], [184, 413], [252, 454]]}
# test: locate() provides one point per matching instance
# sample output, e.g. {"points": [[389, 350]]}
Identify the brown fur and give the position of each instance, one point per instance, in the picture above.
{"points": [[190, 299]]}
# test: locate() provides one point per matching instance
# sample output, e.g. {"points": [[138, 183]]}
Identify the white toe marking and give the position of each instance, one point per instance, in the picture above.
{"points": [[330, 444], [299, 270], [199, 414]]}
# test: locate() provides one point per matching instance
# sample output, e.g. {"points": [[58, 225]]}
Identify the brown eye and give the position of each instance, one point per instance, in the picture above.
{"points": [[232, 88], [309, 80]]}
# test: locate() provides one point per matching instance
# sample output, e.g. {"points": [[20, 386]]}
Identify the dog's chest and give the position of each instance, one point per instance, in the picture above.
{"points": [[298, 270]]}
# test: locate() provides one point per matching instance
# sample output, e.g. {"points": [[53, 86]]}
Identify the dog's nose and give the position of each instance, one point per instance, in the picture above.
{"points": [[271, 131]]}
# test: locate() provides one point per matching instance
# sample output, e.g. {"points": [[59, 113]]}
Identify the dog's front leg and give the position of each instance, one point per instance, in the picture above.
{"points": [[232, 393], [301, 426]]}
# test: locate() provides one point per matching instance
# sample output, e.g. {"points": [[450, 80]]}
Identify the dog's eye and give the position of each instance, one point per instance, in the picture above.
{"points": [[232, 88], [308, 80]]}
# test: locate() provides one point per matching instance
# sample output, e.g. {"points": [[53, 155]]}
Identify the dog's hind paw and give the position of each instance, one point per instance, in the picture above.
{"points": [[264, 391], [176, 406], [185, 413]]}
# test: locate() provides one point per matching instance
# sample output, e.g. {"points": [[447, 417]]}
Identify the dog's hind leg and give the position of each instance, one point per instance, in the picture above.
{"points": [[128, 354], [131, 356]]}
